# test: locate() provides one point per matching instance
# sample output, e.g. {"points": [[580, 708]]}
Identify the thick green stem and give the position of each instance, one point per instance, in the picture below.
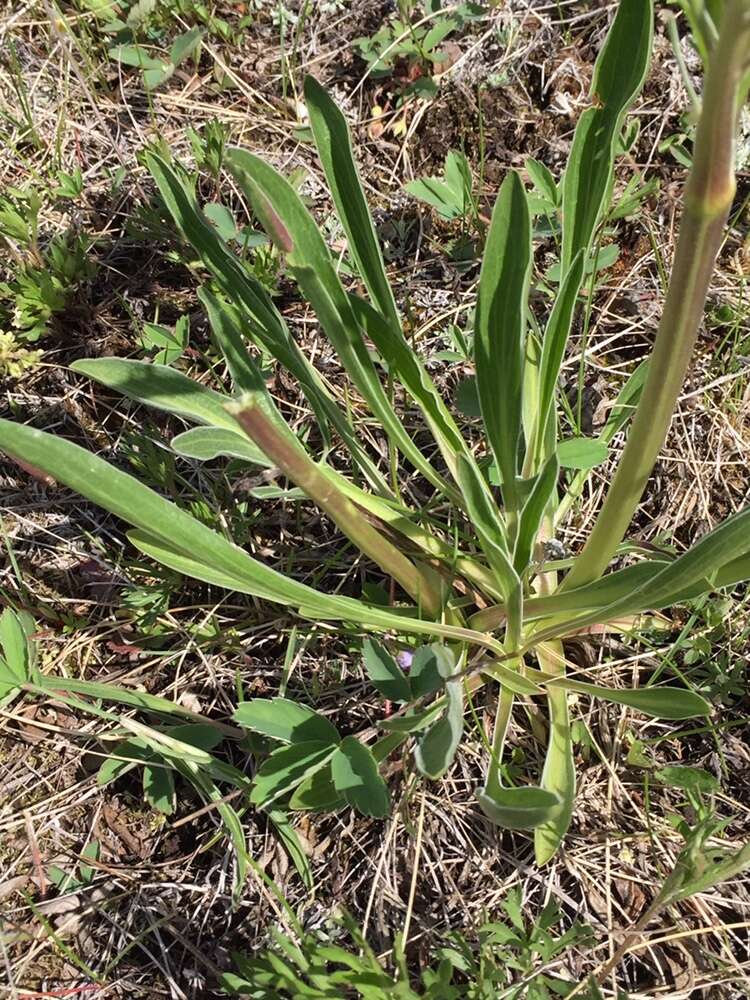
{"points": [[285, 451], [708, 198]]}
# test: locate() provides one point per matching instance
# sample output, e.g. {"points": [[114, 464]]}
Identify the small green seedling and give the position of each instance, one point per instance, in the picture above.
{"points": [[416, 36], [169, 345], [450, 195], [82, 874], [157, 71]]}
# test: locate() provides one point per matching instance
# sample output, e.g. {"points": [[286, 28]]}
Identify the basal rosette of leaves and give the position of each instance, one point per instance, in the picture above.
{"points": [[509, 632]]}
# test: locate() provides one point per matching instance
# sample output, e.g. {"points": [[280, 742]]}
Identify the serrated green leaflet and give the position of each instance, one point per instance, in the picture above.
{"points": [[286, 768], [317, 793]]}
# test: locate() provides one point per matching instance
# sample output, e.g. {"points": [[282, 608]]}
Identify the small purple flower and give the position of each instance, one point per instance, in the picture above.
{"points": [[404, 659]]}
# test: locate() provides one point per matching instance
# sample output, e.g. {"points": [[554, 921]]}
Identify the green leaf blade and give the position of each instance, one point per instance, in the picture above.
{"points": [[286, 768], [501, 326], [519, 808], [285, 720], [355, 775], [333, 142], [385, 673]]}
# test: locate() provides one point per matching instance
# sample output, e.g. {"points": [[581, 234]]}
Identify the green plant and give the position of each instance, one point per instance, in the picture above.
{"points": [[417, 42], [700, 864], [15, 359], [450, 195], [82, 873], [208, 146], [462, 541], [157, 71], [43, 277], [169, 345], [176, 743], [319, 965]]}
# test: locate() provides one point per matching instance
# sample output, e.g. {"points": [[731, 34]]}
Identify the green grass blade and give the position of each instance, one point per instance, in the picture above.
{"points": [[405, 364], [287, 220], [501, 326], [620, 414], [291, 841], [226, 326], [111, 692], [229, 817], [333, 142]]}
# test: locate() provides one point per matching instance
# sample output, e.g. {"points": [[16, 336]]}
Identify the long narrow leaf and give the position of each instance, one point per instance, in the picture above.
{"points": [[618, 76], [263, 319], [288, 222], [559, 772], [556, 335], [161, 387], [703, 562], [492, 541], [333, 142], [410, 371], [533, 512], [501, 326], [226, 326]]}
